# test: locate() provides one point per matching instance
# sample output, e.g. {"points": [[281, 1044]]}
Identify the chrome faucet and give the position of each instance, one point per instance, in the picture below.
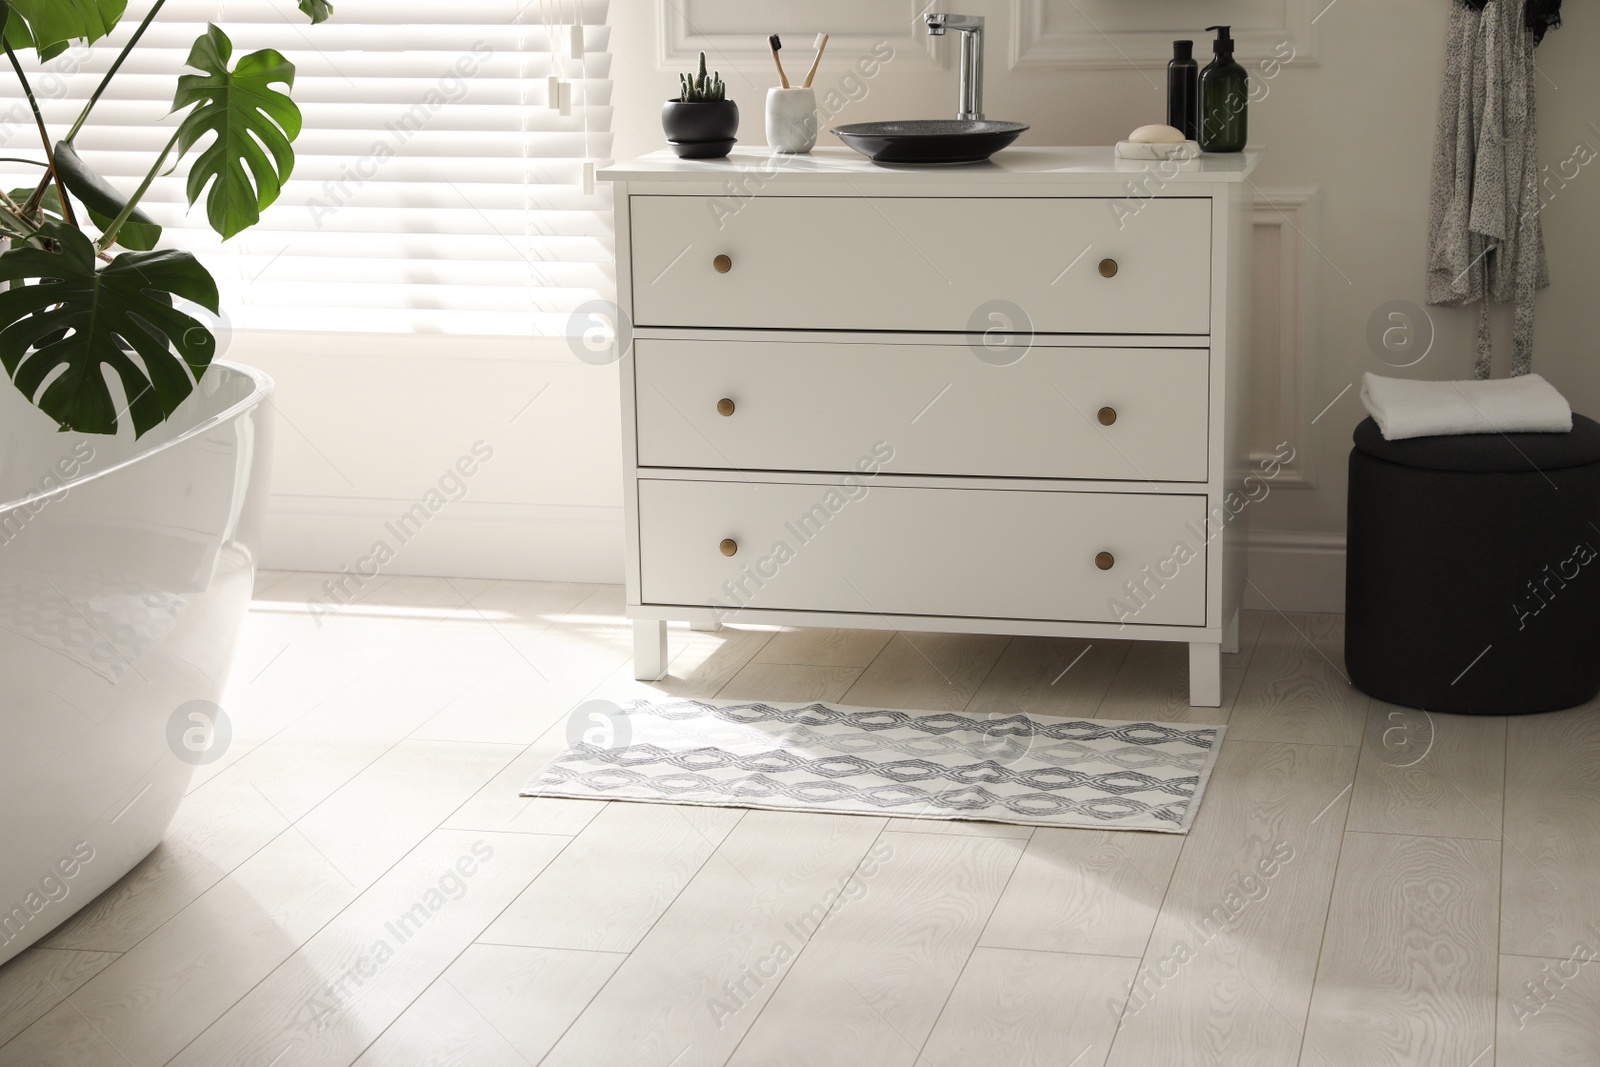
{"points": [[970, 27]]}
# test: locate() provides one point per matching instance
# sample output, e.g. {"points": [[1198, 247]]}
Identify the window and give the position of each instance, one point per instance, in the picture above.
{"points": [[435, 188]]}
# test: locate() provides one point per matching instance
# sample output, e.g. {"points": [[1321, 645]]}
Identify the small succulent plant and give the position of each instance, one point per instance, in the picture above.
{"points": [[701, 88]]}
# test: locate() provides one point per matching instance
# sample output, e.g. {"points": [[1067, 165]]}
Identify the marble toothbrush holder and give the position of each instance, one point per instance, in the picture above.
{"points": [[791, 120]]}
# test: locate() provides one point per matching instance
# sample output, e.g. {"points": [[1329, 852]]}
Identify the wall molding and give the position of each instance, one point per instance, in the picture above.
{"points": [[1292, 570], [682, 35], [1035, 44], [1292, 213]]}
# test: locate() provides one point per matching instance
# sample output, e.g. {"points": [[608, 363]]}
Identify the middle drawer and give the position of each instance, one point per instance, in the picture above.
{"points": [[1083, 413]]}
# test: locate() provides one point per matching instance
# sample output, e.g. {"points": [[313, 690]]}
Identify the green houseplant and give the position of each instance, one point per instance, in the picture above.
{"points": [[700, 121], [87, 285]]}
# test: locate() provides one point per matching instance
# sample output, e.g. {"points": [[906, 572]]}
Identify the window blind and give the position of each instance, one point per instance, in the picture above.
{"points": [[439, 182]]}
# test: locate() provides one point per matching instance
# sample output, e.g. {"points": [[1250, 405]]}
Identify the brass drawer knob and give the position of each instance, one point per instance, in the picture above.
{"points": [[1104, 560], [1107, 416], [1108, 268], [724, 407], [723, 264], [729, 546]]}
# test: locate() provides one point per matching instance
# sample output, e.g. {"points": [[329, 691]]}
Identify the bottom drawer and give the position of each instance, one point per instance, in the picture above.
{"points": [[977, 553]]}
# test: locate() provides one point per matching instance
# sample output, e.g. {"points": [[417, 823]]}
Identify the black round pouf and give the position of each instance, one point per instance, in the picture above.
{"points": [[1473, 570]]}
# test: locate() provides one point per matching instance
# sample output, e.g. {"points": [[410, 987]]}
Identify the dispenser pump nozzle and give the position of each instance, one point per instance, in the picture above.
{"points": [[1224, 43]]}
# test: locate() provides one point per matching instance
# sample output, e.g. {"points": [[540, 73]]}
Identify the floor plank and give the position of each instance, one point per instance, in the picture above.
{"points": [[823, 647], [499, 805], [308, 761], [960, 828], [928, 672], [1085, 891], [344, 987], [300, 665], [441, 1028], [511, 704], [694, 985], [1228, 975], [1015, 1008], [1387, 993], [1552, 831], [215, 829], [1430, 775], [40, 978], [789, 683], [702, 663], [1250, 626], [579, 645], [1550, 1008], [496, 1006], [79, 1046], [1050, 676], [1152, 684], [1296, 689], [377, 817], [558, 649], [614, 881], [161, 994], [880, 969]]}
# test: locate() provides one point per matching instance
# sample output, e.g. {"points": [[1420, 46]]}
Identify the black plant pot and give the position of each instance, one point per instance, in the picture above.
{"points": [[700, 121]]}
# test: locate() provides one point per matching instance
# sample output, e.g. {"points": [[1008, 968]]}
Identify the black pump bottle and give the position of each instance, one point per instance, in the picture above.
{"points": [[1183, 87], [1224, 99]]}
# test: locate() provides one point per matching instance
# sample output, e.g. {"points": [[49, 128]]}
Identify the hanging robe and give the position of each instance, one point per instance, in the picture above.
{"points": [[1484, 237]]}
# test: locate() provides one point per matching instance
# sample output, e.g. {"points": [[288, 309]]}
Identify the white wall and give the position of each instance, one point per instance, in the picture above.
{"points": [[1347, 128], [367, 426]]}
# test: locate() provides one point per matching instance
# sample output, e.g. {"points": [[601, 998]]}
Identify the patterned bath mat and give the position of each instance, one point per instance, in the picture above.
{"points": [[1030, 770]]}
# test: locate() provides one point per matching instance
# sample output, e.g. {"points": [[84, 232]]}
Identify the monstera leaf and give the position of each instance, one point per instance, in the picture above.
{"points": [[102, 200], [60, 312], [19, 37], [49, 24], [319, 10], [244, 113]]}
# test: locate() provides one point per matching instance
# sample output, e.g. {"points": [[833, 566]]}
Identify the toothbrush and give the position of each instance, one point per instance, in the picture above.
{"points": [[821, 43], [777, 44]]}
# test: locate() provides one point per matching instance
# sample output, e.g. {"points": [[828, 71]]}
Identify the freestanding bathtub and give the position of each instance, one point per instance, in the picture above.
{"points": [[125, 570]]}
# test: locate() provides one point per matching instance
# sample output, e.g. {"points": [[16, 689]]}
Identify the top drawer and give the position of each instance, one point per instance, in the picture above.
{"points": [[916, 263]]}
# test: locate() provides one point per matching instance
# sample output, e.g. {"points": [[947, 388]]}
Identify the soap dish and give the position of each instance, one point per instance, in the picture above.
{"points": [[1180, 150]]}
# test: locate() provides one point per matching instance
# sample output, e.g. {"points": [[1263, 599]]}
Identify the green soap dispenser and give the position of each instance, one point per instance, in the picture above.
{"points": [[1224, 98]]}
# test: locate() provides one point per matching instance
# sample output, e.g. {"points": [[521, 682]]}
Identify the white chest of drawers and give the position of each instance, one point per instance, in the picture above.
{"points": [[1004, 398]]}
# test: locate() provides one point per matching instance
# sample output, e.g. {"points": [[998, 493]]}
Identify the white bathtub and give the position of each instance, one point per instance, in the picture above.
{"points": [[125, 570]]}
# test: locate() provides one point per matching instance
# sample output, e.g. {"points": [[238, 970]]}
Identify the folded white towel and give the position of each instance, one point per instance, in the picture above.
{"points": [[1404, 408]]}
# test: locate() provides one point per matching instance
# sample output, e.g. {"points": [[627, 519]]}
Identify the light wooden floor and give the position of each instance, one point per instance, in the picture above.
{"points": [[1330, 906]]}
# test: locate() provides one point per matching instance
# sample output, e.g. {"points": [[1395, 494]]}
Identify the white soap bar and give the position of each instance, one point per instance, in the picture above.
{"points": [[1156, 135], [1182, 150]]}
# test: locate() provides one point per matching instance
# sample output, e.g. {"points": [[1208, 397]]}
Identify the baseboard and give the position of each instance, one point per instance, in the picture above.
{"points": [[464, 539], [1289, 571], [1292, 571]]}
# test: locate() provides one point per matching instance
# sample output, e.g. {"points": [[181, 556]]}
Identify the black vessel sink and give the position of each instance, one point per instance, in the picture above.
{"points": [[929, 140]]}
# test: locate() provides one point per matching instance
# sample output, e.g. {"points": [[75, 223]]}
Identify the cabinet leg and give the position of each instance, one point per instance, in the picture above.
{"points": [[1205, 675], [707, 627], [1230, 633], [650, 649]]}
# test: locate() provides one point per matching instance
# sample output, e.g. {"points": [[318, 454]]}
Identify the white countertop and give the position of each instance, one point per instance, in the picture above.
{"points": [[1027, 165]]}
